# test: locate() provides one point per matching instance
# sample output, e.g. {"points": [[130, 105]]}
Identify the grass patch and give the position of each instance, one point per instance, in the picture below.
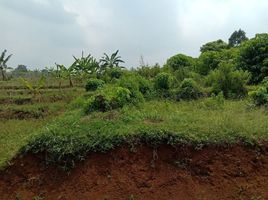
{"points": [[73, 135]]}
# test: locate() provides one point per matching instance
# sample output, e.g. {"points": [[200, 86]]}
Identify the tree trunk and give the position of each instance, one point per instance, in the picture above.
{"points": [[3, 75], [71, 82]]}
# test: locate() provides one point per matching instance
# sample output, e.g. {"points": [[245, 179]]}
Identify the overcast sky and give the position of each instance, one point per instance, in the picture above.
{"points": [[41, 32]]}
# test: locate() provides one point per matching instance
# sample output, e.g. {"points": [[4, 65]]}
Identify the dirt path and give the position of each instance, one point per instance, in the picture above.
{"points": [[166, 173]]}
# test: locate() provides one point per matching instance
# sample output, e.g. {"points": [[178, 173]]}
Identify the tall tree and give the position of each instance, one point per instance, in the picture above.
{"points": [[217, 45], [3, 63], [237, 38], [254, 57]]}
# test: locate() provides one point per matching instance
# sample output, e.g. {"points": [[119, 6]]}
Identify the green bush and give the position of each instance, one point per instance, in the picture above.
{"points": [[228, 80], [99, 103], [116, 73], [260, 96], [112, 98], [137, 85], [94, 84], [163, 81], [189, 90], [122, 96]]}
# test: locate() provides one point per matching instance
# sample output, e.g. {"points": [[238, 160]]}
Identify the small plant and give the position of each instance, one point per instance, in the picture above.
{"points": [[189, 90], [163, 81], [37, 198], [214, 102], [18, 197], [35, 90], [94, 84], [260, 96], [131, 197]]}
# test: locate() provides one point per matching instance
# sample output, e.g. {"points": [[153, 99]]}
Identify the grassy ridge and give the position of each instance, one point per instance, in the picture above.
{"points": [[204, 121], [20, 122]]}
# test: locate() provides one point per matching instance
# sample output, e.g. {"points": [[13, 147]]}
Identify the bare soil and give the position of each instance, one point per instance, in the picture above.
{"points": [[184, 172]]}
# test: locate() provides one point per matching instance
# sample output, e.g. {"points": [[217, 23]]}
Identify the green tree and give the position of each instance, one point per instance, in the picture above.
{"points": [[217, 45], [110, 61], [237, 38], [64, 72], [3, 64], [228, 79], [180, 61], [210, 60], [254, 57], [86, 65]]}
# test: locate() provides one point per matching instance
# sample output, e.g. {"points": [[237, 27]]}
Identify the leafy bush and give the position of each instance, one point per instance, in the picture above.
{"points": [[137, 85], [228, 80], [94, 84], [112, 98], [260, 96], [116, 73], [163, 81], [189, 90], [122, 96]]}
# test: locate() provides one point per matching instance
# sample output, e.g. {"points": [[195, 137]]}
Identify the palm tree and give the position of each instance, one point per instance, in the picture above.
{"points": [[3, 63], [110, 61]]}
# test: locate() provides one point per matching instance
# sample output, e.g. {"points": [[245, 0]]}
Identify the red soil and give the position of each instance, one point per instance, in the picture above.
{"points": [[166, 173]]}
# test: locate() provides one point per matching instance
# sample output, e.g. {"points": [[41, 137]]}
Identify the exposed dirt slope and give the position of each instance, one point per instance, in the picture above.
{"points": [[166, 173]]}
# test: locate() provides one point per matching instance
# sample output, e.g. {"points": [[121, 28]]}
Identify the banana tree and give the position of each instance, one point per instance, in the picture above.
{"points": [[63, 73], [3, 64], [85, 65], [110, 61], [35, 90]]}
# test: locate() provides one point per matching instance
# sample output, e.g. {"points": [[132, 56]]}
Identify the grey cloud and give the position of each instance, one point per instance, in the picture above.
{"points": [[40, 34]]}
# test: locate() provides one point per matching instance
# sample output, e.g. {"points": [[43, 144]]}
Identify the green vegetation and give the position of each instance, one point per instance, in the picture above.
{"points": [[219, 98]]}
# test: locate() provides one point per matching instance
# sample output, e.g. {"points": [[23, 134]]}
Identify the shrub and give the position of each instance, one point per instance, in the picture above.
{"points": [[214, 102], [260, 96], [228, 80], [163, 81], [137, 85], [189, 90], [122, 96], [112, 98], [145, 85], [130, 82], [94, 84], [100, 103]]}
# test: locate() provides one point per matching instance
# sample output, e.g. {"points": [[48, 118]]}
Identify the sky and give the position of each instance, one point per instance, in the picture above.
{"points": [[41, 32]]}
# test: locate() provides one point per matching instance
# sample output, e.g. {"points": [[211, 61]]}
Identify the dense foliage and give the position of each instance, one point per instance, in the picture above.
{"points": [[254, 57]]}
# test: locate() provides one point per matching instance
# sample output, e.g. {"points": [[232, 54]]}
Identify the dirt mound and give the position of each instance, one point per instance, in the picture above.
{"points": [[237, 172]]}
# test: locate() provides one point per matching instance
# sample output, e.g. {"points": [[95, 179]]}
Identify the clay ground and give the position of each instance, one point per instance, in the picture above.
{"points": [[236, 172]]}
